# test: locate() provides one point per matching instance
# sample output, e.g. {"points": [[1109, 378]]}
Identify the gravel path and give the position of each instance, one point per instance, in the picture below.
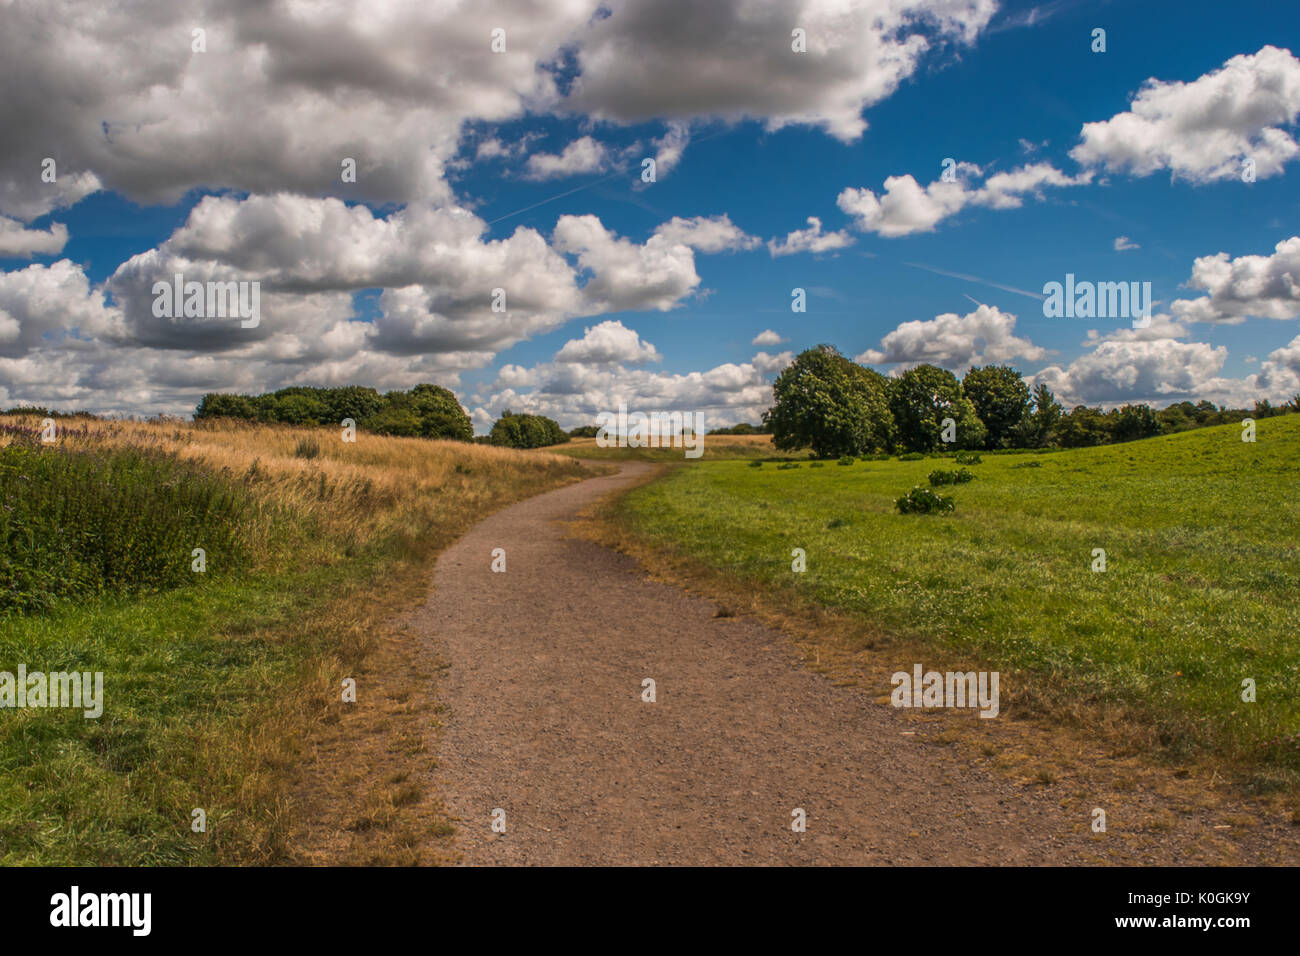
{"points": [[546, 722]]}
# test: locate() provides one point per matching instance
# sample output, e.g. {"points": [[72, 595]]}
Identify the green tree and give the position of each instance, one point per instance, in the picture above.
{"points": [[921, 398], [1084, 427], [526, 431], [1136, 421], [1038, 428], [825, 402], [440, 413], [1001, 399]]}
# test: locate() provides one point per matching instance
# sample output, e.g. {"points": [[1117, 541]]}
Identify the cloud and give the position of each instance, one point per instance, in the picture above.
{"points": [[1202, 131], [768, 337], [583, 155], [954, 342], [41, 304], [609, 343], [681, 59], [1123, 244], [1266, 287], [17, 241], [905, 207], [626, 276], [708, 234], [811, 239]]}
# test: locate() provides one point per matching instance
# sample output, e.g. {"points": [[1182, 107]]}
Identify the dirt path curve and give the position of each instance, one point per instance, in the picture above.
{"points": [[547, 723]]}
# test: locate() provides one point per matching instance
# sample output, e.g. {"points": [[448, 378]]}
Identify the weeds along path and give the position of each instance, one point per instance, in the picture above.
{"points": [[546, 722]]}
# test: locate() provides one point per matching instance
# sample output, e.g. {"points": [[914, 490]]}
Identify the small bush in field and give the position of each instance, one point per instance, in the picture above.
{"points": [[755, 464], [921, 500], [847, 460], [958, 477], [817, 464], [307, 448], [911, 456], [788, 465], [968, 458]]}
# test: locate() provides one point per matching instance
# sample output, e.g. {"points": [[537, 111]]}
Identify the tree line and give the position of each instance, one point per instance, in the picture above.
{"points": [[837, 407]]}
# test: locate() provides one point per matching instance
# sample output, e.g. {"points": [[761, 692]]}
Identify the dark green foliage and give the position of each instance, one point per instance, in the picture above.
{"points": [[921, 398], [584, 431], [921, 500], [1001, 399], [1037, 428], [79, 523], [911, 456], [968, 458], [787, 466], [1135, 421], [755, 464], [847, 460], [829, 404], [744, 428], [959, 477], [427, 411], [526, 431]]}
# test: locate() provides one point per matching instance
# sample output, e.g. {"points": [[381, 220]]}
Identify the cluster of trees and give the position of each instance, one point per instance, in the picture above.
{"points": [[514, 430], [836, 407], [744, 428], [427, 411]]}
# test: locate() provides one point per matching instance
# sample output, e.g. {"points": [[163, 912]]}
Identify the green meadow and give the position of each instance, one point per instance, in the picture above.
{"points": [[1201, 588]]}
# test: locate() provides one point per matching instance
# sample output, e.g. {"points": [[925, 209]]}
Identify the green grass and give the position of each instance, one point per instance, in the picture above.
{"points": [[1202, 587], [716, 448]]}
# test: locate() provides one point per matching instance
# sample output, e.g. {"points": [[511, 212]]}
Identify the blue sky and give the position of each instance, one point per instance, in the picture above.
{"points": [[227, 174]]}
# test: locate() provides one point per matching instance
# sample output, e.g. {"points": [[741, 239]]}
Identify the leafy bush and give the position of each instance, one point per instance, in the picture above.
{"points": [[921, 500], [958, 477], [526, 431], [968, 458], [847, 460], [79, 523], [755, 464], [911, 456], [817, 464], [788, 465], [427, 411]]}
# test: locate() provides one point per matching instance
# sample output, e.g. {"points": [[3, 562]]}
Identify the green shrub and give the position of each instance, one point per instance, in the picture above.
{"points": [[968, 458], [958, 477], [80, 523], [911, 456], [847, 460], [307, 448], [788, 465], [817, 464], [921, 500], [755, 464]]}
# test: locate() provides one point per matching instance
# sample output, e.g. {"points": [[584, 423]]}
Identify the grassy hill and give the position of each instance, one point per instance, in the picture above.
{"points": [[1201, 589]]}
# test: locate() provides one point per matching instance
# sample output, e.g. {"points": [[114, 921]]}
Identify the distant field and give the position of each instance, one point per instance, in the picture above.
{"points": [[1202, 588], [716, 448], [212, 680]]}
